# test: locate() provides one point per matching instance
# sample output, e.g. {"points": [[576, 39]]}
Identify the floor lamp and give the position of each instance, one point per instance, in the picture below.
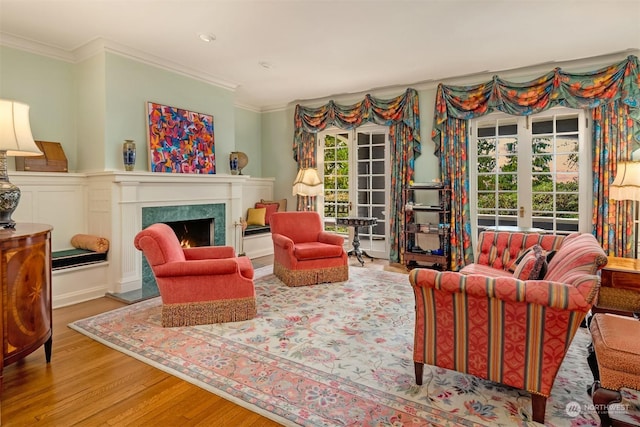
{"points": [[307, 183], [626, 186]]}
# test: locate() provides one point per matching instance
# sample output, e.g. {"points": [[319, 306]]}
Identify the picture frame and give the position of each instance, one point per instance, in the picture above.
{"points": [[180, 141]]}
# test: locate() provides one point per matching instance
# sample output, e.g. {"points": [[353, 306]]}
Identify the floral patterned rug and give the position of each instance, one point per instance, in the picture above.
{"points": [[335, 355]]}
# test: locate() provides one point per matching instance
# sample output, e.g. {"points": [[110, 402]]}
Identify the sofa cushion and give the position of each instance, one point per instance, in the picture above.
{"points": [[315, 250], [485, 270]]}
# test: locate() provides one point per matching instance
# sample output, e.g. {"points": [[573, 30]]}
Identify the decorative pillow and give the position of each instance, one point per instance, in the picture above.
{"points": [[256, 216], [525, 266], [515, 263], [271, 209], [282, 204], [540, 267]]}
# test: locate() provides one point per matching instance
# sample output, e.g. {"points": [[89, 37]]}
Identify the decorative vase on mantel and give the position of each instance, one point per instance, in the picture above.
{"points": [[129, 154], [233, 163]]}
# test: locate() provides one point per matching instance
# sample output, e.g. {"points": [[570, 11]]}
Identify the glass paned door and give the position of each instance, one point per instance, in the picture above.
{"points": [[528, 173], [371, 192], [356, 182]]}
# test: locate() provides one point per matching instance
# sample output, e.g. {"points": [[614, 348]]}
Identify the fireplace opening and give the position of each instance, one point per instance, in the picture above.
{"points": [[193, 233]]}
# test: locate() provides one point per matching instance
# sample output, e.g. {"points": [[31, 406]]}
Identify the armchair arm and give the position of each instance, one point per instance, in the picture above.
{"points": [[209, 252], [577, 296], [330, 238], [283, 241], [205, 267]]}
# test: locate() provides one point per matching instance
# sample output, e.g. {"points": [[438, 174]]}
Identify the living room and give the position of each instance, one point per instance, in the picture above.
{"points": [[92, 98]]}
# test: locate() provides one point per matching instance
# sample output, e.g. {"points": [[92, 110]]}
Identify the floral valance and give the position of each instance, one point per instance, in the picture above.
{"points": [[386, 112], [619, 81]]}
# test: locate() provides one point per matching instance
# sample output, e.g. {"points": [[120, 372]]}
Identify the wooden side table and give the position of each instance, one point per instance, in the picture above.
{"points": [[25, 303], [619, 287]]}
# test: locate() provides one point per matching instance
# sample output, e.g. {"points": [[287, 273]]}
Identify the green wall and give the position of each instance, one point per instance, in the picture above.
{"points": [[131, 84], [248, 129], [47, 86]]}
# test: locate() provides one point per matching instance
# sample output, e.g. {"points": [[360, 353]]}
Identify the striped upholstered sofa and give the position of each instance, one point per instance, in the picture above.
{"points": [[493, 325]]}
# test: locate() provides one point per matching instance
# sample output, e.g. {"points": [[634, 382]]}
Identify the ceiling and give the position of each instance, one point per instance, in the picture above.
{"points": [[318, 49]]}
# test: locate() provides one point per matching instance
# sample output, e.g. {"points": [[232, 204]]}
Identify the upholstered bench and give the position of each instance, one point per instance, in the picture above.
{"points": [[616, 342]]}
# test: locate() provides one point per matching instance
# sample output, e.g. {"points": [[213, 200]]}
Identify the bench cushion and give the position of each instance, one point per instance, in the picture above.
{"points": [[75, 257]]}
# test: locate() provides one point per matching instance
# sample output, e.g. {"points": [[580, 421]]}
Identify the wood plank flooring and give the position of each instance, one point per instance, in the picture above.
{"points": [[89, 384]]}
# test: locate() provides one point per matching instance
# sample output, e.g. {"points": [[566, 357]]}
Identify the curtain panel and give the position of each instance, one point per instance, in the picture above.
{"points": [[401, 114], [618, 82]]}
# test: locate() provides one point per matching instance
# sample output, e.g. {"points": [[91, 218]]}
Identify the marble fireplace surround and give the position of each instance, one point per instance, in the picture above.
{"points": [[152, 215]]}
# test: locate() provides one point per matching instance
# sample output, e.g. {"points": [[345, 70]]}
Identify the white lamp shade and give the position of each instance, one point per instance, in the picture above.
{"points": [[15, 131], [626, 185], [307, 183]]}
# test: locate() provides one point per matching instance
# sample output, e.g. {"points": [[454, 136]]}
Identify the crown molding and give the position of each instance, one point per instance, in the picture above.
{"points": [[100, 45], [38, 48]]}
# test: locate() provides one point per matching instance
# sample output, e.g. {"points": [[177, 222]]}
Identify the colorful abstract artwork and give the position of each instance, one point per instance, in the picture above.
{"points": [[180, 141]]}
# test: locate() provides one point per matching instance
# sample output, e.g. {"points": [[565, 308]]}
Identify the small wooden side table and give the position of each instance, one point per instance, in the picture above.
{"points": [[619, 287]]}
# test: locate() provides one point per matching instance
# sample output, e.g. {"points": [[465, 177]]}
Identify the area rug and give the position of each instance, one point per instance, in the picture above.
{"points": [[334, 355]]}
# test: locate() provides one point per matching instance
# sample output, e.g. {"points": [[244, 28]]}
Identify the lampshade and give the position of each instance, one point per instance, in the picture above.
{"points": [[15, 140], [15, 130], [307, 183], [626, 185]]}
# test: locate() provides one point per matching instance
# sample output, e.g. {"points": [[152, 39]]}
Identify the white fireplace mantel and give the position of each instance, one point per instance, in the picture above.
{"points": [[110, 203]]}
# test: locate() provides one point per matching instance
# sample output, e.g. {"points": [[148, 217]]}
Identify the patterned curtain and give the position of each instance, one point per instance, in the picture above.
{"points": [[612, 142], [401, 114], [589, 90]]}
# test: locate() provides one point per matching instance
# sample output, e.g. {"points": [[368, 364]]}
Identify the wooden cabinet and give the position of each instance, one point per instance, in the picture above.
{"points": [[430, 217], [25, 263]]}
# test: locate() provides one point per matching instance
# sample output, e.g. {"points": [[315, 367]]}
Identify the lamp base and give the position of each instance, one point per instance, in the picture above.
{"points": [[9, 198]]}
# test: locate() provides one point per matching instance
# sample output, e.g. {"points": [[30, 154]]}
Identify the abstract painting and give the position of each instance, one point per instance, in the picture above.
{"points": [[180, 141]]}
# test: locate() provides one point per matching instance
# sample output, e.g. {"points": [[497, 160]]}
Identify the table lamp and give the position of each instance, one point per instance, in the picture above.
{"points": [[15, 140], [307, 183], [626, 186]]}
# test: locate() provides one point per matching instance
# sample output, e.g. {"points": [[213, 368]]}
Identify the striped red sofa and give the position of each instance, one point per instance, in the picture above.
{"points": [[485, 322]]}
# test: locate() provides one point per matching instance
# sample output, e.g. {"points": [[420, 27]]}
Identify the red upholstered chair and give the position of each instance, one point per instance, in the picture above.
{"points": [[303, 253], [200, 285]]}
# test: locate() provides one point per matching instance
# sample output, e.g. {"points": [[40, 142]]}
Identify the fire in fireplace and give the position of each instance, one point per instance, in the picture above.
{"points": [[193, 233]]}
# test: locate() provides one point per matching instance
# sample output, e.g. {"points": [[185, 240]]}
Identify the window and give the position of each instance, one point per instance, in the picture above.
{"points": [[531, 171]]}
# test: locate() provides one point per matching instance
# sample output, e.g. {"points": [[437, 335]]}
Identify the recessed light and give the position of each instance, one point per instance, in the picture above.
{"points": [[207, 38], [265, 64]]}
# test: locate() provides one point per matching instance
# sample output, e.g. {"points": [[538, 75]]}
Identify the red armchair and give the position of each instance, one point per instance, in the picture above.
{"points": [[303, 253], [200, 285]]}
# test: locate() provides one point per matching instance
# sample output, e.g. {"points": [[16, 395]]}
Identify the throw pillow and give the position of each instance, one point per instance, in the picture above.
{"points": [[518, 260], [256, 216], [525, 266], [271, 209], [282, 204], [540, 266]]}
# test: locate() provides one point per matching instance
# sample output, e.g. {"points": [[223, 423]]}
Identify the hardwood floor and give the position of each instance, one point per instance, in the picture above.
{"points": [[89, 384]]}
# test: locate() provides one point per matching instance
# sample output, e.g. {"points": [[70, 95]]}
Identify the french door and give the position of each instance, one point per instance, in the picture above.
{"points": [[531, 171], [356, 183]]}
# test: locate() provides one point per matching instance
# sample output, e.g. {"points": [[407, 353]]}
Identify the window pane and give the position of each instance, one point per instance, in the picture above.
{"points": [[542, 145], [508, 130], [544, 126], [485, 132], [542, 202], [486, 183], [567, 125], [567, 182]]}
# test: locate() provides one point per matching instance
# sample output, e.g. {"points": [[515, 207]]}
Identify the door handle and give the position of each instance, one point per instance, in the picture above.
{"points": [[521, 211]]}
